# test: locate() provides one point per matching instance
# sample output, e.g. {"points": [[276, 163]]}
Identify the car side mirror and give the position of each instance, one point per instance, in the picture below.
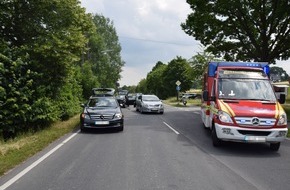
{"points": [[83, 105], [282, 98]]}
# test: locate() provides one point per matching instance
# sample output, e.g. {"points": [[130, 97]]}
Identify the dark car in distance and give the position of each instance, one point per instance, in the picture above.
{"points": [[122, 97], [131, 100], [100, 112]]}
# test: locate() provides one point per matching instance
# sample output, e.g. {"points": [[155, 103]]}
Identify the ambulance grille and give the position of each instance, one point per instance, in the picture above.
{"points": [[255, 133], [255, 122]]}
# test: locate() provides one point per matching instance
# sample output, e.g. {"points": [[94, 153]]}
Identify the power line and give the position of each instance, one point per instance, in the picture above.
{"points": [[156, 41]]}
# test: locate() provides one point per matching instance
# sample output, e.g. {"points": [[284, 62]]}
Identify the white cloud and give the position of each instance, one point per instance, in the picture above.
{"points": [[149, 31]]}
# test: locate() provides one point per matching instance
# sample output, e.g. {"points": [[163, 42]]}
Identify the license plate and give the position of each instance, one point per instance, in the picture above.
{"points": [[255, 139], [102, 122]]}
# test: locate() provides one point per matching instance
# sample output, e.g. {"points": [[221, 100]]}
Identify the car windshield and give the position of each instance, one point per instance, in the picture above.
{"points": [[150, 98], [123, 93], [249, 89], [102, 102], [131, 96]]}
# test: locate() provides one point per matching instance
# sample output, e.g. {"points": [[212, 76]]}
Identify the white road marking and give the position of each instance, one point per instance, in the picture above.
{"points": [[26, 170], [171, 128]]}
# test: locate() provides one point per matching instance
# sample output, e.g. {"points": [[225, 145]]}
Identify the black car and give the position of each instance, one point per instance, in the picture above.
{"points": [[102, 111], [131, 100], [122, 97]]}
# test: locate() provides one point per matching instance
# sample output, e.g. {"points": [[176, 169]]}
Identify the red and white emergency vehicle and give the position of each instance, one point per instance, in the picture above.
{"points": [[239, 104]]}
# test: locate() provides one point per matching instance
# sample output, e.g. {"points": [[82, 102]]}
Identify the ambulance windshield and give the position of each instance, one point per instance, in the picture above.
{"points": [[247, 89]]}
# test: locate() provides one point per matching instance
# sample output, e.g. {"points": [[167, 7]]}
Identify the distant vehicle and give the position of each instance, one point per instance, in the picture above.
{"points": [[190, 96], [131, 99], [102, 111], [122, 97], [149, 103], [136, 98]]}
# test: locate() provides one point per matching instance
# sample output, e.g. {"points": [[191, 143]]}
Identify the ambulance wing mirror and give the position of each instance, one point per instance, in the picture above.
{"points": [[282, 98], [205, 95]]}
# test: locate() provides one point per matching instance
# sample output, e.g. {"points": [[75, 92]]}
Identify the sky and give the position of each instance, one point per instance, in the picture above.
{"points": [[149, 31]]}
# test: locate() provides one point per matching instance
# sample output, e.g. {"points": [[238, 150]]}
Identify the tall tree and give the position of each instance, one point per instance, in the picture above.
{"points": [[154, 80], [278, 73], [105, 52], [241, 30], [198, 64], [41, 43], [142, 86], [51, 32], [177, 69]]}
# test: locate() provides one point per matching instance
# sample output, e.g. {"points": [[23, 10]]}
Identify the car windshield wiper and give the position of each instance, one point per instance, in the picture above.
{"points": [[260, 99]]}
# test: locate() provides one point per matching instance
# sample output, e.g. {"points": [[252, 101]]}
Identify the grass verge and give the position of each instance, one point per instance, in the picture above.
{"points": [[190, 102], [15, 151]]}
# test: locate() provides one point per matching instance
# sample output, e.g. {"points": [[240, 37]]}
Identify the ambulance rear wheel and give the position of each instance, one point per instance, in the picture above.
{"points": [[215, 140], [275, 146]]}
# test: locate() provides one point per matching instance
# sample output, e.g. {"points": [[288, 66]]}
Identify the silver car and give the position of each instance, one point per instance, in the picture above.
{"points": [[149, 103]]}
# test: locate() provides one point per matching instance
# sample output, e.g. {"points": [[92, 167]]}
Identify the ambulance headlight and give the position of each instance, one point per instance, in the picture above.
{"points": [[282, 119], [224, 117]]}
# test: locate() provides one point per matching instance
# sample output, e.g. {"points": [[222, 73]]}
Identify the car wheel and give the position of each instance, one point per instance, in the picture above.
{"points": [[215, 140], [121, 128], [161, 112], [275, 146], [82, 129], [141, 109]]}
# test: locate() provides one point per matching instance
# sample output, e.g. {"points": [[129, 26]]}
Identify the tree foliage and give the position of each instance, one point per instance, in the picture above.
{"points": [[278, 73], [16, 80], [45, 63], [161, 80], [154, 80], [104, 52], [241, 30], [198, 64], [178, 69]]}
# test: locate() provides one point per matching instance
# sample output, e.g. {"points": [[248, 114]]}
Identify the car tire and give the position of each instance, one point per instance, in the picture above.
{"points": [[216, 142], [82, 129], [275, 146], [121, 128]]}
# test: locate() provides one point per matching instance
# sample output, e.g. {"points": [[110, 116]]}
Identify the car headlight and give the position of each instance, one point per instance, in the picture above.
{"points": [[85, 116], [145, 105], [118, 116], [282, 119], [224, 117]]}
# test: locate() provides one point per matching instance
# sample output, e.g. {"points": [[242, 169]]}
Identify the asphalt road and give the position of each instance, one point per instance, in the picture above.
{"points": [[170, 152]]}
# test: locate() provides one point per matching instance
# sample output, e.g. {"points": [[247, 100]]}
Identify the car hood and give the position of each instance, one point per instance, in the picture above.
{"points": [[152, 102], [103, 110], [246, 108]]}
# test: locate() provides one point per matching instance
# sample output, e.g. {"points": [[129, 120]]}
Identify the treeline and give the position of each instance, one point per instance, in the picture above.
{"points": [[161, 80], [51, 55]]}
